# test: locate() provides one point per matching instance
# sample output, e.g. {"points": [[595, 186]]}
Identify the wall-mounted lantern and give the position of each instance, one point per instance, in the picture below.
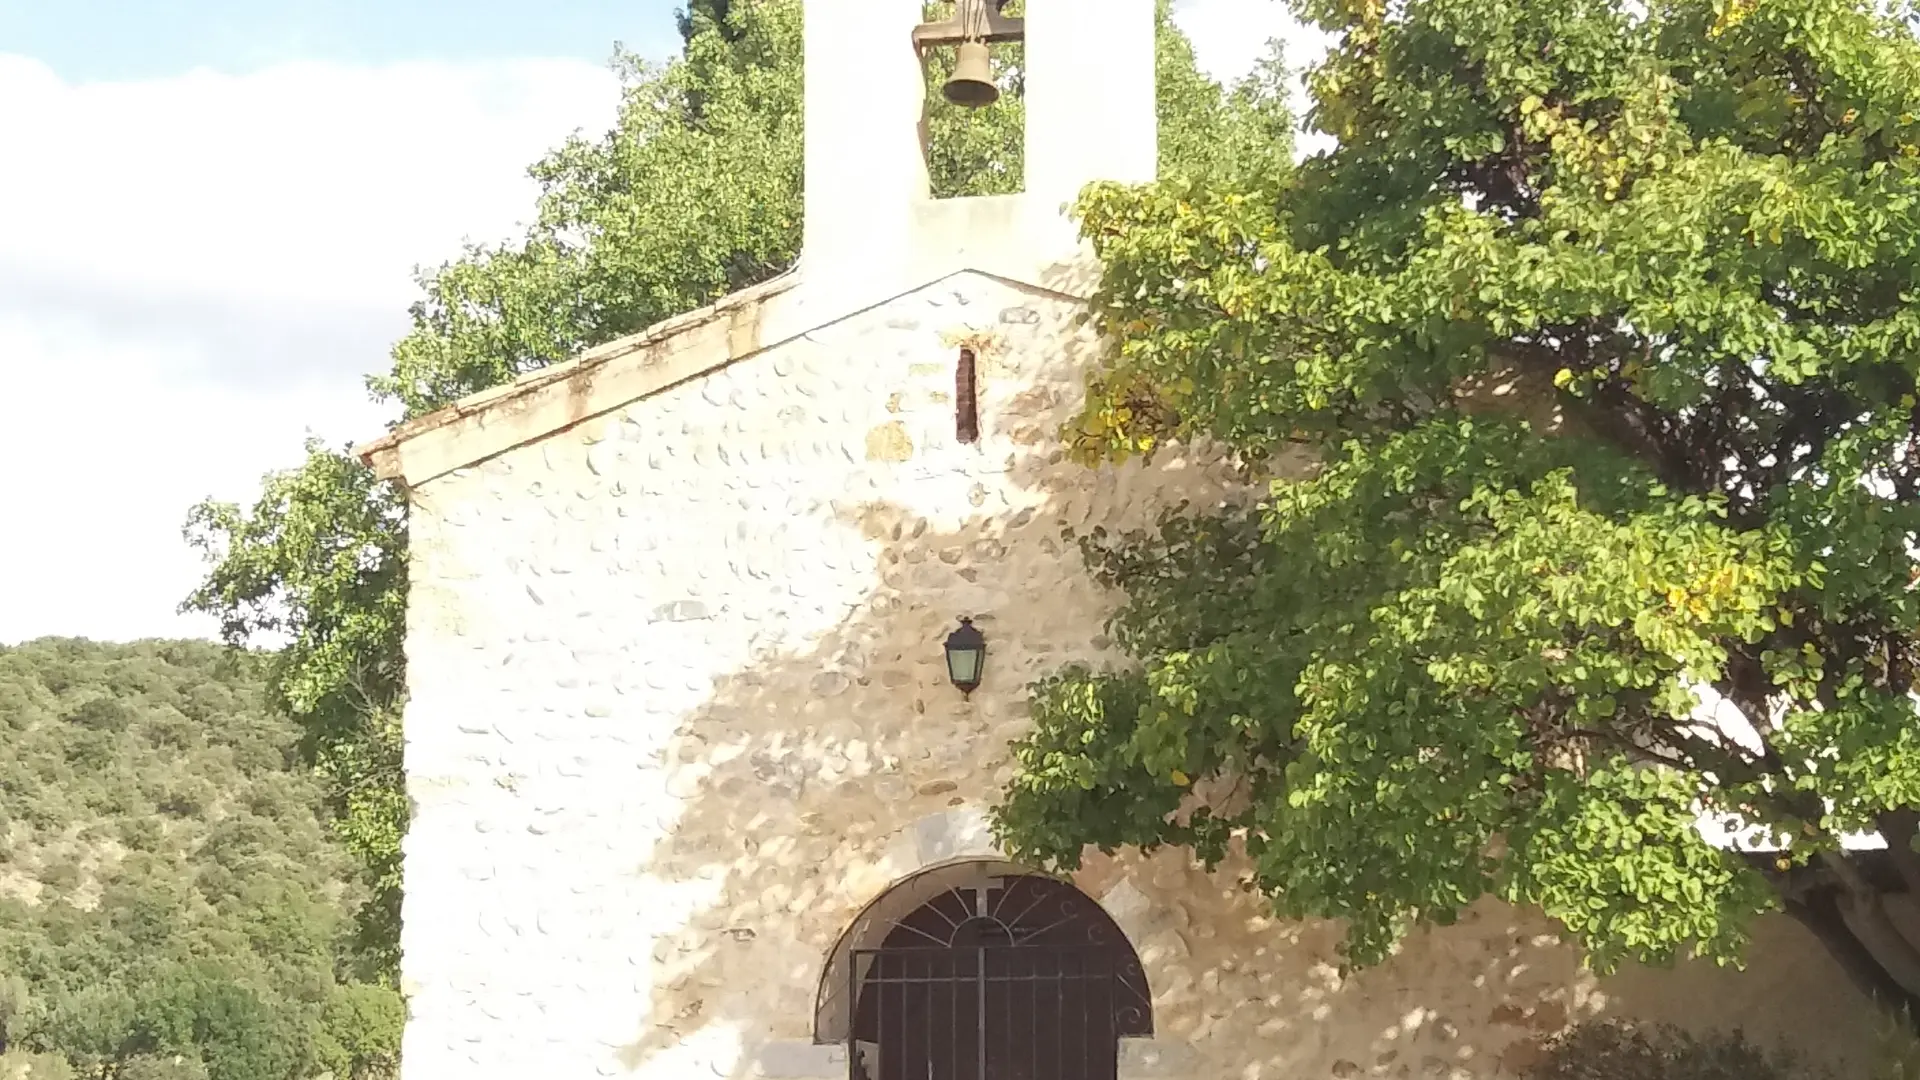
{"points": [[966, 655]]}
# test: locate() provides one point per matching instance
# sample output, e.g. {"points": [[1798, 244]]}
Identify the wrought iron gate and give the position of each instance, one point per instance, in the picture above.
{"points": [[1025, 979]]}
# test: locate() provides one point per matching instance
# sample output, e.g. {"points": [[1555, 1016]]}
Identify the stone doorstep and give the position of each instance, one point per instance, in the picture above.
{"points": [[795, 1059], [1144, 1058]]}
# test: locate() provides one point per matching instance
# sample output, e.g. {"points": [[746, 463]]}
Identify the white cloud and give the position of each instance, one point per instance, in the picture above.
{"points": [[298, 181], [108, 448], [195, 270]]}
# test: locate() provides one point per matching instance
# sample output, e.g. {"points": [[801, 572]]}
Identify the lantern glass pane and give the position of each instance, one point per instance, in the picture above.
{"points": [[963, 665]]}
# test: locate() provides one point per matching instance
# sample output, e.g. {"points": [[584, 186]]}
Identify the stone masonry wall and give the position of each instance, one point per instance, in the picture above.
{"points": [[678, 714]]}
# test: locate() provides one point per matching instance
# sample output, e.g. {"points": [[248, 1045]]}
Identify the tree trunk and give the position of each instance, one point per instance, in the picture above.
{"points": [[1863, 904], [1898, 828], [1820, 912]]}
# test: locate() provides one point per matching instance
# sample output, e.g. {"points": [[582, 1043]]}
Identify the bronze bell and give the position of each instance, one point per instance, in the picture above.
{"points": [[972, 83]]}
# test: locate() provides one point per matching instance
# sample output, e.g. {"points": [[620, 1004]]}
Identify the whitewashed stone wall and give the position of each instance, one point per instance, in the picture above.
{"points": [[679, 713]]}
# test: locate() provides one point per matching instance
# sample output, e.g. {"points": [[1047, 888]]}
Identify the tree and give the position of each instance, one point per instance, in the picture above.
{"points": [[1595, 336], [692, 195], [695, 193], [320, 565]]}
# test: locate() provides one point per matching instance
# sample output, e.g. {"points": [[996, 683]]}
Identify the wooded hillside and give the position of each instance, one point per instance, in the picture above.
{"points": [[172, 906]]}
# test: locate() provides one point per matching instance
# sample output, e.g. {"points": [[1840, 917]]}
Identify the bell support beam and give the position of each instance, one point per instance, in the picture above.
{"points": [[999, 28], [977, 21]]}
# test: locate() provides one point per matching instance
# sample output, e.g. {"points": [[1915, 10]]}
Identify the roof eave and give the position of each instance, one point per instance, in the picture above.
{"points": [[538, 403], [611, 376]]}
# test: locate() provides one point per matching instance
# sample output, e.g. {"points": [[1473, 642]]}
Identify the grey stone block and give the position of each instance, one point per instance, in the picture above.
{"points": [[680, 611], [955, 834]]}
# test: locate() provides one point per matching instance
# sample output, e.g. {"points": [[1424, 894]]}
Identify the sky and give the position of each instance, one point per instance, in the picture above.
{"points": [[211, 212]]}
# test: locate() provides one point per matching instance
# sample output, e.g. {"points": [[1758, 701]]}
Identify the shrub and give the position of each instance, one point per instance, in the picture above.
{"points": [[1608, 1050], [19, 1065], [1898, 1056], [103, 714]]}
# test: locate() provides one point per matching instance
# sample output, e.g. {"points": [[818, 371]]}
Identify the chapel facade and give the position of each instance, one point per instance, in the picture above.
{"points": [[694, 795]]}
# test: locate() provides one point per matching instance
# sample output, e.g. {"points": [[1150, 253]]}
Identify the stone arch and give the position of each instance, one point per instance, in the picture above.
{"points": [[938, 854]]}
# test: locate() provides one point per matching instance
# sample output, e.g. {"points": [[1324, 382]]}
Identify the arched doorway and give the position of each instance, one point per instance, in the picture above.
{"points": [[997, 976]]}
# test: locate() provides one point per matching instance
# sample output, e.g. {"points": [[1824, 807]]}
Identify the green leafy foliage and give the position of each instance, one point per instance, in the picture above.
{"points": [[172, 906], [318, 568], [1595, 339], [695, 193]]}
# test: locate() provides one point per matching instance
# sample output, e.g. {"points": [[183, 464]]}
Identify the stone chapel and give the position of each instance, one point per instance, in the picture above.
{"points": [[694, 795]]}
